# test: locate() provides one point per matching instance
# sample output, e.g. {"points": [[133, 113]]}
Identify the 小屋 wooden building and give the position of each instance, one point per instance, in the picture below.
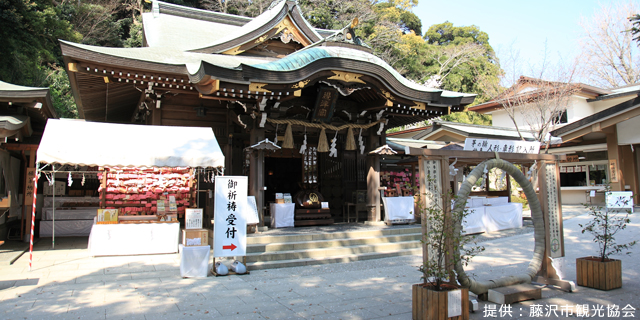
{"points": [[24, 112], [271, 77]]}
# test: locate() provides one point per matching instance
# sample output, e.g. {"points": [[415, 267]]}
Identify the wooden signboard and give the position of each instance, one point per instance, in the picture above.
{"points": [[325, 104], [571, 158], [506, 146], [613, 170]]}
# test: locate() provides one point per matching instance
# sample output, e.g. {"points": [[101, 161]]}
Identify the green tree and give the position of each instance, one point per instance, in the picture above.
{"points": [[469, 117], [452, 58], [135, 35], [30, 31], [399, 13], [96, 21], [61, 95], [335, 14]]}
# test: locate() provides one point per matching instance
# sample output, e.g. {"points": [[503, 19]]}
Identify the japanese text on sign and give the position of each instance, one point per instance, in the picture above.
{"points": [[230, 225], [507, 146], [545, 311], [193, 218]]}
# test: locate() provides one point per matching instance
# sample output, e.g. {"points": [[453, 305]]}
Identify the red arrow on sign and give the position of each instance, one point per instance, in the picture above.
{"points": [[232, 246]]}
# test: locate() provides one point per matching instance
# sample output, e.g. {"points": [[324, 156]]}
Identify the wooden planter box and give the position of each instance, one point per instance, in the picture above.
{"points": [[593, 273], [429, 304]]}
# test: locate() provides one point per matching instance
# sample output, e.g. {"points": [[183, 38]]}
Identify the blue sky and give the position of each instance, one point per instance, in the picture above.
{"points": [[525, 23]]}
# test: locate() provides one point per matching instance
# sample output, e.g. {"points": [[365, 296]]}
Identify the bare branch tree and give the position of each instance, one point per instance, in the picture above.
{"points": [[610, 56], [534, 104], [451, 57], [93, 19]]}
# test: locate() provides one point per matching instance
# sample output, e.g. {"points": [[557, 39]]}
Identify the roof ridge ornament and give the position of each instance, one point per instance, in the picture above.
{"points": [[276, 2], [347, 35]]}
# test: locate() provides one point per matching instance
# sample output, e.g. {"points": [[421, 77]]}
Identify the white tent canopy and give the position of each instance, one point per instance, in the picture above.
{"points": [[79, 142]]}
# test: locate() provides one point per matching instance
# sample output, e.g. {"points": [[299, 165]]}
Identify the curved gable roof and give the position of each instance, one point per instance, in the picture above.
{"points": [[282, 14], [304, 63], [36, 100]]}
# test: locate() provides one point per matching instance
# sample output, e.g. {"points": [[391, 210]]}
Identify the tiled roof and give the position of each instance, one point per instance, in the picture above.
{"points": [[4, 86]]}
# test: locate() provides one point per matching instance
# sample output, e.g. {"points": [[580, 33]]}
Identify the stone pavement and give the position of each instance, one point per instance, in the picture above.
{"points": [[66, 283]]}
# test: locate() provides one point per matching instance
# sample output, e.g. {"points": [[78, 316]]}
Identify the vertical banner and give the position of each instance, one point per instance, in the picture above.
{"points": [[230, 227], [613, 170], [28, 199]]}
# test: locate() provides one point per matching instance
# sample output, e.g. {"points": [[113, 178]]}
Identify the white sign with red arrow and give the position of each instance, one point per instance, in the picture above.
{"points": [[230, 227]]}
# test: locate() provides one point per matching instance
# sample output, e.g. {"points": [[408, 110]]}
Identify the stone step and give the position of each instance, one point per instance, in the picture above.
{"points": [[324, 253], [313, 222], [334, 259], [265, 238], [332, 243]]}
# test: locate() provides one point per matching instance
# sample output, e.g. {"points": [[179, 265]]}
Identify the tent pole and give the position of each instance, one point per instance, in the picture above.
{"points": [[53, 227], [33, 214]]}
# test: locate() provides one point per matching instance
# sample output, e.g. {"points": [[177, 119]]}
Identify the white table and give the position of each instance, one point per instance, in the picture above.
{"points": [[474, 221], [493, 218], [282, 215], [506, 216], [496, 201], [133, 239], [483, 201], [475, 202], [194, 261], [398, 208]]}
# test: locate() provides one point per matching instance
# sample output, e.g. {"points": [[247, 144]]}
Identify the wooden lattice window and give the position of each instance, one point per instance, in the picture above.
{"points": [[310, 163]]}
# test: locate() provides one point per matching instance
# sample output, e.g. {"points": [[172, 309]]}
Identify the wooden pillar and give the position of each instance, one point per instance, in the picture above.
{"points": [[413, 175], [228, 154], [228, 148], [636, 157], [373, 185], [446, 208], [423, 203], [550, 200], [156, 116], [615, 174], [256, 173], [373, 177], [416, 191], [628, 169]]}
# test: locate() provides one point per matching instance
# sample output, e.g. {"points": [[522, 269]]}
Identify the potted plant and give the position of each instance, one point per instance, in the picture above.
{"points": [[602, 272], [439, 295]]}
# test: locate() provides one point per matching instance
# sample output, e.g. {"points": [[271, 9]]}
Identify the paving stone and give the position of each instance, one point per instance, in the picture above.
{"points": [[280, 314], [371, 289], [86, 313]]}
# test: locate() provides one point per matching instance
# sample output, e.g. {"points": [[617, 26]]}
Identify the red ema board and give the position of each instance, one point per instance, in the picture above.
{"points": [[136, 191]]}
